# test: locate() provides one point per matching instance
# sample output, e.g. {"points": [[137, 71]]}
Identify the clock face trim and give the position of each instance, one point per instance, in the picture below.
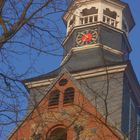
{"points": [[86, 37]]}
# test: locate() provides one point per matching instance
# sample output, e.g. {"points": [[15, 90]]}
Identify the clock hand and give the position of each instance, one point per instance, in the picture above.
{"points": [[85, 35], [84, 39]]}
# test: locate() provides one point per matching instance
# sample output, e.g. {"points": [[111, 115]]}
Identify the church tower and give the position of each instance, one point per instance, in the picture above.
{"points": [[96, 62], [97, 32]]}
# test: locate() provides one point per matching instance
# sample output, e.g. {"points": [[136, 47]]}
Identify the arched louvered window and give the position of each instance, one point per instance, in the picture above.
{"points": [[58, 134], [54, 98], [69, 95]]}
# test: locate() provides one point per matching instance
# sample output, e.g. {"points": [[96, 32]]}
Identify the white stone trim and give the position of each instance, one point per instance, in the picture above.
{"points": [[80, 75], [85, 47]]}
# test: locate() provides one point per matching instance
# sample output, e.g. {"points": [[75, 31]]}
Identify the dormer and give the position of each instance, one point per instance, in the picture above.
{"points": [[113, 13]]}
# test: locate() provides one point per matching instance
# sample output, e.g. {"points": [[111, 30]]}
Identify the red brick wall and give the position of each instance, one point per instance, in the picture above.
{"points": [[81, 112]]}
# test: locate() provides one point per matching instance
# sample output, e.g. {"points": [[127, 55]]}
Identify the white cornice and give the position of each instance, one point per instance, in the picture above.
{"points": [[75, 49], [80, 75], [86, 47]]}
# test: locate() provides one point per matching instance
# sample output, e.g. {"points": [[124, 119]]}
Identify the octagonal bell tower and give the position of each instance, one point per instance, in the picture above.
{"points": [[97, 32]]}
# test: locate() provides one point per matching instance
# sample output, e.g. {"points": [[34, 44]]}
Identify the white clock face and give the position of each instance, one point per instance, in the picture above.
{"points": [[86, 37]]}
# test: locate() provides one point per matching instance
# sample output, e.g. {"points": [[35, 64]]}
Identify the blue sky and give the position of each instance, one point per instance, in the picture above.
{"points": [[134, 36]]}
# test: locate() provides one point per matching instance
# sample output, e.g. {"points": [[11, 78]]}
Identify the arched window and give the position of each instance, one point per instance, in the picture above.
{"points": [[54, 98], [89, 16], [72, 21], [91, 11], [109, 17], [69, 95], [110, 13], [58, 134]]}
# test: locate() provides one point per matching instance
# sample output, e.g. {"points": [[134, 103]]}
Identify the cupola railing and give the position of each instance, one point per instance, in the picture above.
{"points": [[110, 21], [88, 19], [84, 20]]}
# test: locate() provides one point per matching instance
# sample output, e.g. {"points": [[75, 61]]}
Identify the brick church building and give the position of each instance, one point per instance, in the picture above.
{"points": [[94, 94]]}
